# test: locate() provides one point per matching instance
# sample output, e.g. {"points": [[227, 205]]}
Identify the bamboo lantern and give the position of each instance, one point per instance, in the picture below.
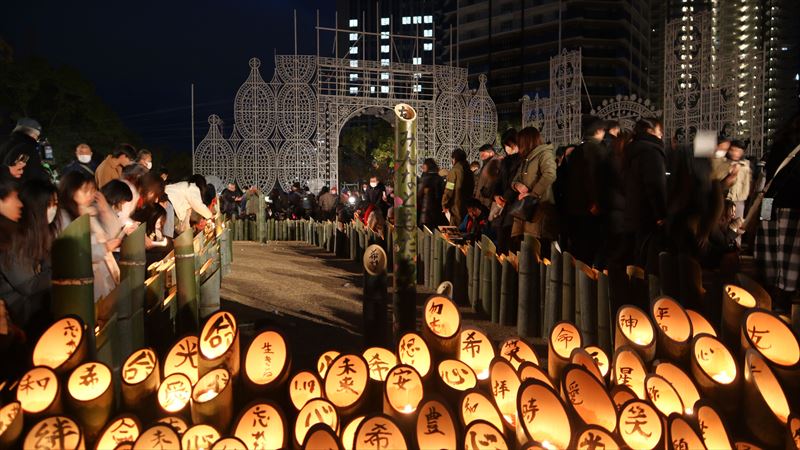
{"points": [[629, 370], [673, 327], [481, 435], [477, 406], [10, 424], [177, 423], [159, 436], [516, 351], [663, 395], [542, 416], [349, 432], [140, 379], [639, 425], [771, 337], [442, 324], [62, 346], [402, 393], [380, 362], [124, 428], [682, 435], [91, 396], [199, 437], [413, 350], [582, 358], [763, 299], [262, 425], [39, 393], [684, 385], [324, 362], [564, 338], [736, 301], [587, 397], [621, 394], [744, 445], [530, 371], [346, 383], [600, 359], [229, 443], [455, 377], [212, 399], [267, 362], [57, 432], [475, 349], [715, 372], [505, 385], [183, 358], [321, 437], [219, 344], [379, 433], [699, 324], [714, 434], [635, 329], [767, 410], [174, 394], [594, 437], [304, 386], [436, 427], [793, 433]]}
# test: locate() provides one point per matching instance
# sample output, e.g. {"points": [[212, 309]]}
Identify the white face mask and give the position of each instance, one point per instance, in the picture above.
{"points": [[85, 159], [720, 153], [51, 213], [374, 185], [148, 165]]}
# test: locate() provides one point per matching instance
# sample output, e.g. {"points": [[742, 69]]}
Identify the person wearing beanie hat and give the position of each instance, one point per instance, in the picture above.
{"points": [[21, 151]]}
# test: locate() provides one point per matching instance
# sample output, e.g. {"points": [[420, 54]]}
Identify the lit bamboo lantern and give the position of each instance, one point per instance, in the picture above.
{"points": [[634, 328], [379, 433], [516, 351], [587, 397], [199, 437], [714, 370], [594, 437], [714, 434], [229, 443], [436, 427], [477, 406], [475, 349], [10, 424], [346, 383], [600, 359], [324, 362], [564, 338], [629, 370], [736, 301], [663, 395], [542, 416], [380, 362], [124, 428], [771, 337], [177, 423], [413, 350], [321, 437], [621, 394], [39, 392], [455, 377], [267, 362], [684, 385], [793, 433], [62, 346], [140, 379], [401, 395], [183, 358], [174, 394], [682, 435], [674, 328], [57, 432], [530, 371], [582, 358], [481, 435], [639, 425], [212, 399], [744, 445], [219, 344], [764, 400], [763, 299], [442, 324], [699, 324], [91, 396], [349, 432], [505, 383], [262, 425], [159, 436], [304, 386]]}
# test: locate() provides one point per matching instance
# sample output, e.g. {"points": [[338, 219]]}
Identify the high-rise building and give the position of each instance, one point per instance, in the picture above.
{"points": [[782, 63]]}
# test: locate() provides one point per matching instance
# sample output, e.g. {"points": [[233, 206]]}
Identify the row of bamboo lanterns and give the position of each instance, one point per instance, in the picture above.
{"points": [[670, 382]]}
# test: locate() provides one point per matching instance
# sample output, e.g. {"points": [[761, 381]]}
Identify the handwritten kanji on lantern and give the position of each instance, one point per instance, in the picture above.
{"points": [[139, 366], [221, 332], [378, 436], [432, 421], [635, 419], [471, 344], [55, 433]]}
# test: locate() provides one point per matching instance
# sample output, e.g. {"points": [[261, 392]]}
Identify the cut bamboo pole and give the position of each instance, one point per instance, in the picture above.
{"points": [[568, 288]]}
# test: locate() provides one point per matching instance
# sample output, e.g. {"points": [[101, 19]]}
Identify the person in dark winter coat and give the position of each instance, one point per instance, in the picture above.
{"points": [[23, 146], [458, 189], [504, 194], [486, 177], [429, 196], [82, 162], [229, 201], [475, 223]]}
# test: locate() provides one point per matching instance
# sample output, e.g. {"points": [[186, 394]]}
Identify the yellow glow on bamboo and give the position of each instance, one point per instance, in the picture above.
{"points": [[715, 436], [582, 358], [174, 392], [629, 370], [56, 430], [714, 359], [771, 337], [379, 433], [481, 435], [699, 324], [314, 412], [58, 343], [476, 406], [89, 381], [435, 426], [321, 437], [516, 351], [177, 424], [742, 445], [266, 358], [218, 335], [682, 434], [671, 318], [794, 431], [199, 437], [442, 317], [739, 295], [349, 433], [404, 389], [475, 349], [564, 338], [635, 326], [457, 375], [346, 380], [10, 422], [600, 358], [210, 385], [505, 385], [663, 395], [124, 428], [380, 362], [413, 350], [37, 390], [158, 436], [543, 416], [261, 426], [681, 382], [597, 437], [324, 362], [757, 371], [639, 425], [303, 387], [529, 371], [229, 443], [183, 358], [139, 366], [588, 398], [621, 394]]}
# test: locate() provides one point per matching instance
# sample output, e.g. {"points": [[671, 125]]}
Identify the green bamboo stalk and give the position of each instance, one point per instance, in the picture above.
{"points": [[132, 266], [529, 290], [568, 288], [603, 313], [497, 272], [470, 269], [188, 305], [587, 298], [261, 218], [554, 291], [475, 276], [460, 276], [508, 293]]}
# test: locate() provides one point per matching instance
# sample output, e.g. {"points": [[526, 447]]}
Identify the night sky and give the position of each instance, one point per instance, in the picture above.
{"points": [[142, 56]]}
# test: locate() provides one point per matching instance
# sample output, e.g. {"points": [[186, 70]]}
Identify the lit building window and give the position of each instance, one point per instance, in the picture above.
{"points": [[428, 33], [428, 19], [384, 75], [384, 35], [353, 36], [372, 89], [384, 62], [353, 22], [353, 63], [384, 21], [428, 46], [384, 89], [416, 60], [353, 50], [417, 19], [353, 76], [354, 90], [406, 20], [384, 49], [417, 88]]}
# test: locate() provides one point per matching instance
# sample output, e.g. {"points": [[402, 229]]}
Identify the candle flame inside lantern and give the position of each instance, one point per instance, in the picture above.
{"points": [[206, 395], [715, 359], [723, 377]]}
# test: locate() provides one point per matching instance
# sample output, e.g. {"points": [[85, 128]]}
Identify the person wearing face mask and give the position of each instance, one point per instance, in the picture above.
{"points": [[504, 194], [83, 161], [24, 146], [145, 159]]}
